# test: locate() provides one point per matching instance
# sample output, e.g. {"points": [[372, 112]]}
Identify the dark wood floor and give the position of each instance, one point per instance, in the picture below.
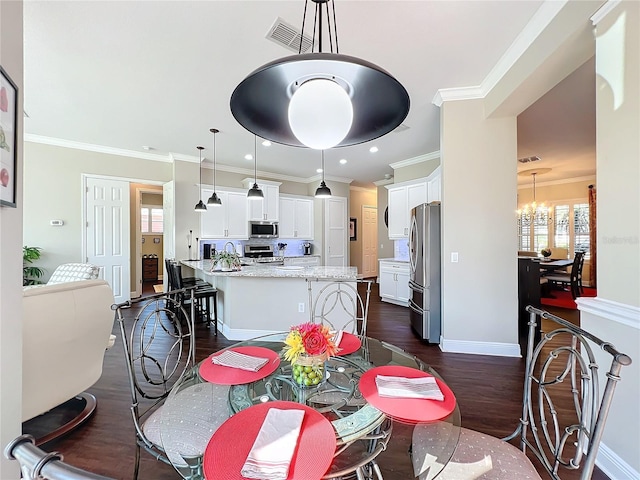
{"points": [[488, 390]]}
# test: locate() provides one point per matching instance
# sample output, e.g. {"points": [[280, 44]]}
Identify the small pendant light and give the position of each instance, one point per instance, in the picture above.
{"points": [[200, 206], [323, 191], [254, 192], [214, 199]]}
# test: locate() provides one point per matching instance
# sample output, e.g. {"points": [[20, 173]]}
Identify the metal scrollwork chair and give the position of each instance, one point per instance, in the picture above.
{"points": [[159, 348], [563, 410], [36, 464], [340, 305]]}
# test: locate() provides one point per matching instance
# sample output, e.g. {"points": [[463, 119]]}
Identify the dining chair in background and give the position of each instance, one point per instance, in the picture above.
{"points": [[560, 434], [573, 279], [339, 305], [159, 347]]}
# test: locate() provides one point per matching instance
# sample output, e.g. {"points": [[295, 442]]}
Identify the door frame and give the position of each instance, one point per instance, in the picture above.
{"points": [[83, 210], [138, 234]]}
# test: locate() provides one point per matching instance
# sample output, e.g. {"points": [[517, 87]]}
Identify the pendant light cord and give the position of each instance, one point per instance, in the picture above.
{"points": [[322, 155], [214, 162], [255, 159]]}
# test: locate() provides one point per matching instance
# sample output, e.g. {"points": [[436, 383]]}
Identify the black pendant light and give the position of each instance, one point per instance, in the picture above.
{"points": [[323, 191], [214, 199], [255, 192], [200, 206], [320, 100]]}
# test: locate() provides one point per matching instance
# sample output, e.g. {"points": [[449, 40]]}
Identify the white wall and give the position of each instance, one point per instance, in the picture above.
{"points": [[53, 190], [614, 315], [480, 292], [11, 254]]}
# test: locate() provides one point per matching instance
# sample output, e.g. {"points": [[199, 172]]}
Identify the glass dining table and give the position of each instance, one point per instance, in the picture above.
{"points": [[370, 444]]}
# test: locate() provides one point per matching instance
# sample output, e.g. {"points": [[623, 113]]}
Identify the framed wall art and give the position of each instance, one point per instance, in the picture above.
{"points": [[8, 139], [353, 229]]}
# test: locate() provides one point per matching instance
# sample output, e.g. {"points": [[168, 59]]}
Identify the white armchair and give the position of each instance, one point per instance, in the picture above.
{"points": [[66, 330]]}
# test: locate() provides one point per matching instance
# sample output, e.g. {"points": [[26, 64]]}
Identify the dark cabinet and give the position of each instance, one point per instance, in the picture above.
{"points": [[149, 269], [528, 294]]}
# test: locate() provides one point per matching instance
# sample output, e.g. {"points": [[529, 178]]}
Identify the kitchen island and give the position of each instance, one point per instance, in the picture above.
{"points": [[263, 299]]}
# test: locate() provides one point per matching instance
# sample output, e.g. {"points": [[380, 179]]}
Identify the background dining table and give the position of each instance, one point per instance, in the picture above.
{"points": [[399, 447], [551, 265]]}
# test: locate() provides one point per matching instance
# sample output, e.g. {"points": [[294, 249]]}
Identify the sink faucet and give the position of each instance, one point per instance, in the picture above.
{"points": [[233, 247]]}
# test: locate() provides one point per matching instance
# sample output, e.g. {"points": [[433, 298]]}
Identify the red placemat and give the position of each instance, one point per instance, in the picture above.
{"points": [[349, 343], [406, 409], [235, 376], [230, 445]]}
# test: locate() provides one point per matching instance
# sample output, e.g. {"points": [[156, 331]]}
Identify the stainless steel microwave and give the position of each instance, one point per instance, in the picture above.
{"points": [[263, 229]]}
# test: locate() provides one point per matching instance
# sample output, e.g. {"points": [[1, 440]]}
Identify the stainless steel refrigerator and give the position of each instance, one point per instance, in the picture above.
{"points": [[424, 274]]}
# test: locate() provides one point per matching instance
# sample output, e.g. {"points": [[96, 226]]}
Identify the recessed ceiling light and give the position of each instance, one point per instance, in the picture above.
{"points": [[319, 170], [373, 149], [266, 143], [248, 156], [343, 161]]}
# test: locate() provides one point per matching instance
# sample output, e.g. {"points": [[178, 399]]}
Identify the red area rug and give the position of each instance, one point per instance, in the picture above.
{"points": [[563, 298]]}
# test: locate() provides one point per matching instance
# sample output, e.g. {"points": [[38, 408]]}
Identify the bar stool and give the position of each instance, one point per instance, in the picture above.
{"points": [[204, 294]]}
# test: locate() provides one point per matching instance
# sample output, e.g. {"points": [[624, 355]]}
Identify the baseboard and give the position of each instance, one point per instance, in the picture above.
{"points": [[613, 466], [242, 334], [395, 302], [480, 348]]}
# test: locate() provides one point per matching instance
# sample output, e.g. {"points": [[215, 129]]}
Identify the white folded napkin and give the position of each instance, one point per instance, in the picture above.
{"points": [[271, 454], [337, 337], [422, 387], [230, 358]]}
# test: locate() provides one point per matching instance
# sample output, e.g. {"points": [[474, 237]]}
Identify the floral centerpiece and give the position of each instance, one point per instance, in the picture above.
{"points": [[546, 252], [307, 347]]}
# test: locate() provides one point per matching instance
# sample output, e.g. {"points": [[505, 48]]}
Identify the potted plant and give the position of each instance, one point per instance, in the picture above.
{"points": [[229, 261], [31, 273]]}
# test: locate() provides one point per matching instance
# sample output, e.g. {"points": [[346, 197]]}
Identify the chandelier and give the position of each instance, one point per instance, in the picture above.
{"points": [[534, 213], [321, 99]]}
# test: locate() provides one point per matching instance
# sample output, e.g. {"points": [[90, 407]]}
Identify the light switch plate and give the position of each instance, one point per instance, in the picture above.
{"points": [[454, 257]]}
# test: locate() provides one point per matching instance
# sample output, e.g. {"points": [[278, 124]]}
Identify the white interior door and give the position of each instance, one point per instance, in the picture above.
{"points": [[107, 232], [336, 231], [369, 241]]}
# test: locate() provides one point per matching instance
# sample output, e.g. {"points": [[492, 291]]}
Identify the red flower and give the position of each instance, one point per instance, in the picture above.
{"points": [[314, 341]]}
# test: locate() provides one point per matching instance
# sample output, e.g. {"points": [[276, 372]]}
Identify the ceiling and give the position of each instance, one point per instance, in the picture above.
{"points": [[127, 75]]}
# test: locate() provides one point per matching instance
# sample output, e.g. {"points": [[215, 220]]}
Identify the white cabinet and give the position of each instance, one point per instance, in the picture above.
{"points": [[228, 220], [306, 261], [394, 282], [267, 208], [405, 196], [401, 200], [296, 218]]}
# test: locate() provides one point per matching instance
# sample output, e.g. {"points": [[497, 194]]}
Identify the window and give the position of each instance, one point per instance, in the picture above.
{"points": [[151, 219], [568, 227]]}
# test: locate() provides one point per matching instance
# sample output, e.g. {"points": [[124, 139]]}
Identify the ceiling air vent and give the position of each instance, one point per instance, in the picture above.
{"points": [[288, 36], [529, 159]]}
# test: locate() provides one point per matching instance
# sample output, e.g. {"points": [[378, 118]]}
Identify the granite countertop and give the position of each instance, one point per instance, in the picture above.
{"points": [[272, 271]]}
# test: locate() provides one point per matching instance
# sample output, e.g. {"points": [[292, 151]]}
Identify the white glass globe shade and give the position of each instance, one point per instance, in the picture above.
{"points": [[320, 113]]}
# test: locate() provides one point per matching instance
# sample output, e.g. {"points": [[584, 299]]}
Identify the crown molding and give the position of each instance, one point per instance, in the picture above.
{"points": [[540, 20], [318, 177], [459, 93], [360, 189], [121, 152], [603, 11], [419, 159], [383, 182], [564, 181]]}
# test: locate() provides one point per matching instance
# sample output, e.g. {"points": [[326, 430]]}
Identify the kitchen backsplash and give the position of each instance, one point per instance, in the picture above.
{"points": [[401, 249], [294, 248]]}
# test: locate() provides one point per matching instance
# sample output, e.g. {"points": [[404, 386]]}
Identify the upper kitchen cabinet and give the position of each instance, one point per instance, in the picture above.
{"points": [[402, 197], [296, 218], [228, 220], [268, 208]]}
